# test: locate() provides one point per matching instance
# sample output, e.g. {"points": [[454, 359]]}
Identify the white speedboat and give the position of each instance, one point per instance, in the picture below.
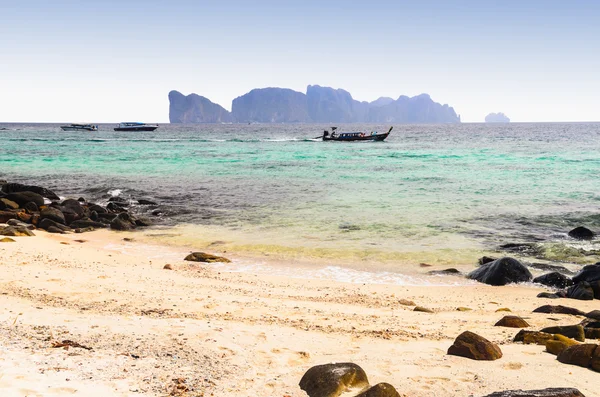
{"points": [[136, 126], [79, 127]]}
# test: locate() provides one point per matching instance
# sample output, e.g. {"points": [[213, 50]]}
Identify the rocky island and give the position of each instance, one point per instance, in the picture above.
{"points": [[318, 105], [497, 118]]}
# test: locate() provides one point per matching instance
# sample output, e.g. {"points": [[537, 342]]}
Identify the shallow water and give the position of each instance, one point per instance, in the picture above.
{"points": [[441, 194]]}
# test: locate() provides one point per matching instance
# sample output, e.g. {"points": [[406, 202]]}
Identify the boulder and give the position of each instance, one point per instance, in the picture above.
{"points": [[485, 259], [54, 229], [580, 355], [31, 207], [532, 337], [15, 231], [18, 187], [592, 333], [53, 214], [7, 240], [548, 295], [16, 222], [512, 322], [581, 233], [582, 291], [558, 344], [97, 208], [83, 223], [331, 380], [115, 207], [146, 202], [204, 257], [594, 314], [554, 279], [475, 347], [22, 198], [122, 222], [8, 204], [47, 223], [501, 272], [551, 392], [571, 331], [380, 390], [558, 310], [588, 273], [546, 267]]}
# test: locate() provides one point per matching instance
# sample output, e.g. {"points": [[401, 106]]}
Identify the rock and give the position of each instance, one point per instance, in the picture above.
{"points": [[146, 202], [8, 204], [451, 271], [501, 272], [195, 109], [380, 390], [15, 231], [558, 344], [529, 249], [548, 295], [475, 347], [31, 207], [551, 268], [18, 187], [559, 310], [551, 392], [331, 380], [204, 257], [6, 215], [422, 309], [22, 198], [97, 208], [47, 223], [16, 222], [595, 364], [571, 331], [143, 222], [7, 240], [54, 229], [463, 309], [168, 267], [497, 118], [84, 223], [594, 314], [596, 288], [592, 333], [53, 214], [115, 207], [581, 233], [406, 302], [532, 337], [512, 322], [580, 355], [554, 279], [485, 259], [122, 222], [582, 291], [503, 309], [588, 273]]}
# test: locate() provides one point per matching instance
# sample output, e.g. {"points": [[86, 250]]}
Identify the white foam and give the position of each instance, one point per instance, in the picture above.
{"points": [[115, 192]]}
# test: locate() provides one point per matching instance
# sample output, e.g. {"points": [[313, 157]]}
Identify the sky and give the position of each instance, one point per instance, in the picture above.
{"points": [[112, 61]]}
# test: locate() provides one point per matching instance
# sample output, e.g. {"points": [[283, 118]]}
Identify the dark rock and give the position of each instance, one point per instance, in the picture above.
{"points": [[6, 215], [16, 222], [15, 231], [118, 199], [422, 309], [530, 249], [559, 343], [588, 273], [581, 233], [106, 217], [596, 288], [571, 331], [475, 347], [548, 295], [97, 208], [512, 322], [551, 392], [84, 230], [146, 202], [48, 223], [451, 271], [23, 198], [554, 279], [549, 267], [81, 199], [592, 333], [157, 212], [122, 222], [501, 272], [115, 207], [84, 223], [594, 314], [53, 214], [31, 207], [18, 187], [380, 390], [71, 203], [532, 337], [582, 291], [485, 259], [142, 222], [580, 355], [331, 380], [559, 310], [203, 257], [54, 229]]}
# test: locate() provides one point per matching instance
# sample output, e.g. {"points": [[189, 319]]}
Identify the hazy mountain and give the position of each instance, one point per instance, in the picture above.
{"points": [[318, 105], [497, 118], [195, 109], [271, 105]]}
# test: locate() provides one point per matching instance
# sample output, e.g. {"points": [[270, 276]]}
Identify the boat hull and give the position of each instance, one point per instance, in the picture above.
{"points": [[141, 128], [378, 137], [70, 128]]}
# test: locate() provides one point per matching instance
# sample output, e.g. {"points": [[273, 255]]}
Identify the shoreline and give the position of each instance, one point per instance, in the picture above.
{"points": [[199, 329]]}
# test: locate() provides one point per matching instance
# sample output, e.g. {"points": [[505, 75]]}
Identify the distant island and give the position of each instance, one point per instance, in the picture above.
{"points": [[497, 118], [318, 105]]}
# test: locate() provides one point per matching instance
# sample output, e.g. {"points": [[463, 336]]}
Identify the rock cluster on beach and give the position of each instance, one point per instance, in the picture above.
{"points": [[25, 207]]}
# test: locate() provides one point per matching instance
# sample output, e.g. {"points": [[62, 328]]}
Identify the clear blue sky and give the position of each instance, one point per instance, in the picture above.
{"points": [[111, 61]]}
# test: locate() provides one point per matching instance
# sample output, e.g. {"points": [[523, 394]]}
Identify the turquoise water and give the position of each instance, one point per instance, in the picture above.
{"points": [[435, 193]]}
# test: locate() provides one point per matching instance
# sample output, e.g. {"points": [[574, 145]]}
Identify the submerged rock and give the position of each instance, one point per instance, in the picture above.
{"points": [[501, 272], [581, 233], [331, 380], [475, 347]]}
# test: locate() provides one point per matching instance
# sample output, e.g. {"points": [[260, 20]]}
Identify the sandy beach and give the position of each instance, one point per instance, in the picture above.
{"points": [[136, 329]]}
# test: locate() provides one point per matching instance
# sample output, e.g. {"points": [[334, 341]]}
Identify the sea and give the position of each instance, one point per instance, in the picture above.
{"points": [[281, 200]]}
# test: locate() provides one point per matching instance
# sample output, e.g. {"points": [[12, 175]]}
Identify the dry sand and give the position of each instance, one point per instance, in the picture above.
{"points": [[198, 331]]}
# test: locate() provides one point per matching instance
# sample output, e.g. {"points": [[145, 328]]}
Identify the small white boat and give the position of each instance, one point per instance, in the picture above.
{"points": [[136, 126], [79, 127]]}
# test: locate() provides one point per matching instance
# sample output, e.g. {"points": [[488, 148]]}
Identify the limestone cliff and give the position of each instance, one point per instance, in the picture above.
{"points": [[271, 105], [195, 109], [497, 118]]}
